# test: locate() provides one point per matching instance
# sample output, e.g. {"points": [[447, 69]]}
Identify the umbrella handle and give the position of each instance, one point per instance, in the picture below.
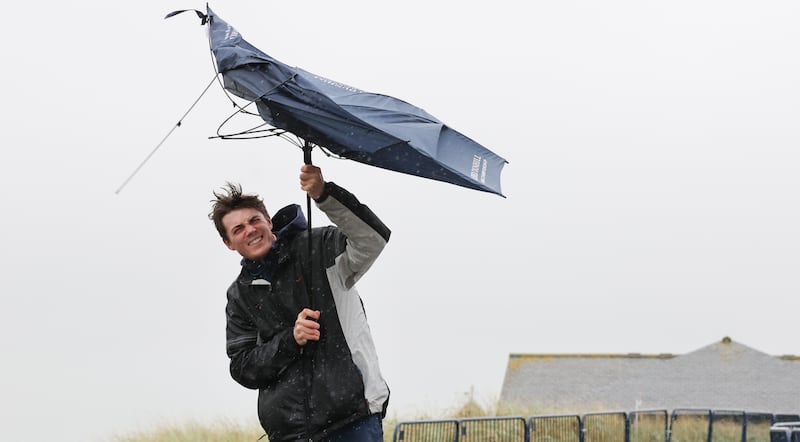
{"points": [[307, 160]]}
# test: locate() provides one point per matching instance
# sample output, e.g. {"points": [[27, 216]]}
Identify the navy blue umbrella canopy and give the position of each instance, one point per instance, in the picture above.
{"points": [[370, 128]]}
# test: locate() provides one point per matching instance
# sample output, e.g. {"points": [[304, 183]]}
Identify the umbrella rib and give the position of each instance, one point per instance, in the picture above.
{"points": [[177, 125], [240, 109], [275, 131]]}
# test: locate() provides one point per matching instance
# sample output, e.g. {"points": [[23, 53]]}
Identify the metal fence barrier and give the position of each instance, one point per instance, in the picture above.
{"points": [[648, 425], [690, 425], [562, 428], [785, 431], [682, 425], [727, 426], [427, 431], [605, 427], [499, 429], [757, 425]]}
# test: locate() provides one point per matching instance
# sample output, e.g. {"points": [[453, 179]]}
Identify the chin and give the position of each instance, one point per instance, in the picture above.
{"points": [[257, 254]]}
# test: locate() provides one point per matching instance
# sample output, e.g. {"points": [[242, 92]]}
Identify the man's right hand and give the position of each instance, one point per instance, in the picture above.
{"points": [[306, 327]]}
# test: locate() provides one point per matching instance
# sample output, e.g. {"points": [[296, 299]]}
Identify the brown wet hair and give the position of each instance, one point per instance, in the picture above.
{"points": [[231, 198]]}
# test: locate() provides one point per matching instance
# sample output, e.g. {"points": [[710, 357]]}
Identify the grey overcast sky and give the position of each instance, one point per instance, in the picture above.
{"points": [[652, 194]]}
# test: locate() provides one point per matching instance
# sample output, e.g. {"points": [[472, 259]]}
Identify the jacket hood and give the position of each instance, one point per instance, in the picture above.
{"points": [[288, 221]]}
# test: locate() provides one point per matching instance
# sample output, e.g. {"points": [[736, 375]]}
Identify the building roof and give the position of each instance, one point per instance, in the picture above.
{"points": [[724, 375]]}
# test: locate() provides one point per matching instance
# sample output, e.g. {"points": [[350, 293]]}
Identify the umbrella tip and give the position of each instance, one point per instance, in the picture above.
{"points": [[203, 17]]}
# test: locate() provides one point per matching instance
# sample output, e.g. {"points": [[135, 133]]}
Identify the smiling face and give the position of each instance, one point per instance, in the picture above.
{"points": [[249, 232]]}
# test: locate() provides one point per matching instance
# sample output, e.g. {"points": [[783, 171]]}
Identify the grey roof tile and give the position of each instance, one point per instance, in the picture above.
{"points": [[724, 375]]}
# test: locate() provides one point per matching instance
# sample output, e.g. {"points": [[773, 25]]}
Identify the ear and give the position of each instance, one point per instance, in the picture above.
{"points": [[228, 244]]}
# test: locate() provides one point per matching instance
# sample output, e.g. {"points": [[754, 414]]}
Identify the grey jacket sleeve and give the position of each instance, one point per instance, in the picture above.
{"points": [[366, 234]]}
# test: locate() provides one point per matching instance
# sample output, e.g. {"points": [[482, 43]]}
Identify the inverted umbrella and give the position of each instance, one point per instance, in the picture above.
{"points": [[370, 128]]}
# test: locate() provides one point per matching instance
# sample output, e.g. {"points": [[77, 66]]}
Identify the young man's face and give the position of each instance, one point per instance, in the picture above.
{"points": [[249, 233]]}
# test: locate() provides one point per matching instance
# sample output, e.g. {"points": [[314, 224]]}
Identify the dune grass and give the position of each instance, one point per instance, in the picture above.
{"points": [[233, 431], [213, 432], [195, 431], [688, 428]]}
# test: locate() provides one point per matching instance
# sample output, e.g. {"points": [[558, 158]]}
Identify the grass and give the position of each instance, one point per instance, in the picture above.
{"points": [[193, 431], [231, 431], [220, 431], [213, 432], [604, 428]]}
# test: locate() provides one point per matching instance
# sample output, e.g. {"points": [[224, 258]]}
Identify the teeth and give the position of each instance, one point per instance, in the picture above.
{"points": [[255, 241]]}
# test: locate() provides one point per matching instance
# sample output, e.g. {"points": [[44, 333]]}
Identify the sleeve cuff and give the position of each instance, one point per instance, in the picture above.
{"points": [[325, 193]]}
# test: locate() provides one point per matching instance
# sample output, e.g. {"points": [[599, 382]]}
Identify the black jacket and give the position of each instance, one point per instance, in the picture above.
{"points": [[309, 392]]}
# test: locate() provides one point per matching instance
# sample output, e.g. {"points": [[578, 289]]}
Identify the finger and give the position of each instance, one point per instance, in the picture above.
{"points": [[308, 325], [302, 336], [308, 313], [311, 335], [307, 321], [308, 172], [298, 337]]}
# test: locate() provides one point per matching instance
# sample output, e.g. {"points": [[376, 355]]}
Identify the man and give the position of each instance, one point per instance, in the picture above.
{"points": [[296, 327]]}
